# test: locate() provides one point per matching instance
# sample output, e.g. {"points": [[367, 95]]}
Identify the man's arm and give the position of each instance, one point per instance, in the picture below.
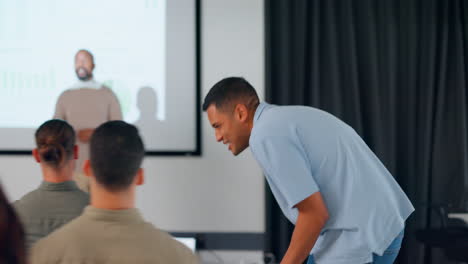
{"points": [[115, 111], [313, 215], [60, 109]]}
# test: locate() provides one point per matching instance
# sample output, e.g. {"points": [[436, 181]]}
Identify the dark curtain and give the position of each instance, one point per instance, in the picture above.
{"points": [[395, 71]]}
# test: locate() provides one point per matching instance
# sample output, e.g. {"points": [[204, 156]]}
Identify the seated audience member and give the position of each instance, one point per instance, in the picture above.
{"points": [[58, 199], [12, 244], [111, 229]]}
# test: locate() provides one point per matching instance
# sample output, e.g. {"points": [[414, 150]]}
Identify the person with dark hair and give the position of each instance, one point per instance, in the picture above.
{"points": [[12, 242], [86, 105], [344, 203], [58, 199], [111, 230]]}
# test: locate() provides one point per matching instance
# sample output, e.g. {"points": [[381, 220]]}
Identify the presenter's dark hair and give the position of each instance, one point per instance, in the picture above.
{"points": [[12, 241], [88, 52], [116, 154], [55, 141], [230, 91]]}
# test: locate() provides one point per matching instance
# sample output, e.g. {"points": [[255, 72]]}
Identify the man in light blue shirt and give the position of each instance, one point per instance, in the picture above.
{"points": [[346, 206]]}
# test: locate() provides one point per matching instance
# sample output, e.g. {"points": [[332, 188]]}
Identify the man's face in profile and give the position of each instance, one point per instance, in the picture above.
{"points": [[84, 65], [230, 129]]}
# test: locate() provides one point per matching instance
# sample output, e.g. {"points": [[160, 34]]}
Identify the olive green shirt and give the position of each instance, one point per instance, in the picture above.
{"points": [[49, 207], [110, 236]]}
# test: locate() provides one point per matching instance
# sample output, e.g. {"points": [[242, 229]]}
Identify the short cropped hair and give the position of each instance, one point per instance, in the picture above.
{"points": [[88, 52], [225, 93], [116, 154]]}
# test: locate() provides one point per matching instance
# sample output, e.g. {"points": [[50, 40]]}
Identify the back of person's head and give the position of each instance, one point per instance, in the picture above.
{"points": [[116, 154], [12, 241], [55, 142], [230, 91]]}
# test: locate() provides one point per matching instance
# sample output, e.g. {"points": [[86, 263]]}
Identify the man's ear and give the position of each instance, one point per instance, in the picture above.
{"points": [[87, 168], [75, 152], [36, 156], [241, 112], [140, 177]]}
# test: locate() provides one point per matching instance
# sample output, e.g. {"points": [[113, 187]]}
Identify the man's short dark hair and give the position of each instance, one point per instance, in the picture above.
{"points": [[116, 154], [229, 91], [88, 52]]}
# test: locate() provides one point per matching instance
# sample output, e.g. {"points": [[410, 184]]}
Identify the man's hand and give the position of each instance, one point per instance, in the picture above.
{"points": [[313, 215], [84, 135]]}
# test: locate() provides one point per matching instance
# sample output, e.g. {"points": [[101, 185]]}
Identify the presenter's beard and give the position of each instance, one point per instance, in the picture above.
{"points": [[83, 74]]}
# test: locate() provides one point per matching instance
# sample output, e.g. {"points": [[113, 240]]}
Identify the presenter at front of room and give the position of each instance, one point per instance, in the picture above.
{"points": [[86, 105]]}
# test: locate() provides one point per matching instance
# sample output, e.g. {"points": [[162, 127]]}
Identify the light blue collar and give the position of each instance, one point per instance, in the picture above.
{"points": [[259, 110]]}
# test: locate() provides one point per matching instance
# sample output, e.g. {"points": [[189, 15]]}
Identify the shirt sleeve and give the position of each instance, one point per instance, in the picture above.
{"points": [[286, 164], [115, 112], [60, 108]]}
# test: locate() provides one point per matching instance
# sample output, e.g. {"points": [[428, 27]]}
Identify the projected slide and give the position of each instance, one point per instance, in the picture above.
{"points": [[144, 50]]}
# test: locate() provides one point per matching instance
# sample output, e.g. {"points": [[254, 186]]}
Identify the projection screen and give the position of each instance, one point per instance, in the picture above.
{"points": [[146, 51]]}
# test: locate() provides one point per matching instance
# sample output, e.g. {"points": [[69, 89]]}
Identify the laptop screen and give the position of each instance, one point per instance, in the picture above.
{"points": [[190, 242]]}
